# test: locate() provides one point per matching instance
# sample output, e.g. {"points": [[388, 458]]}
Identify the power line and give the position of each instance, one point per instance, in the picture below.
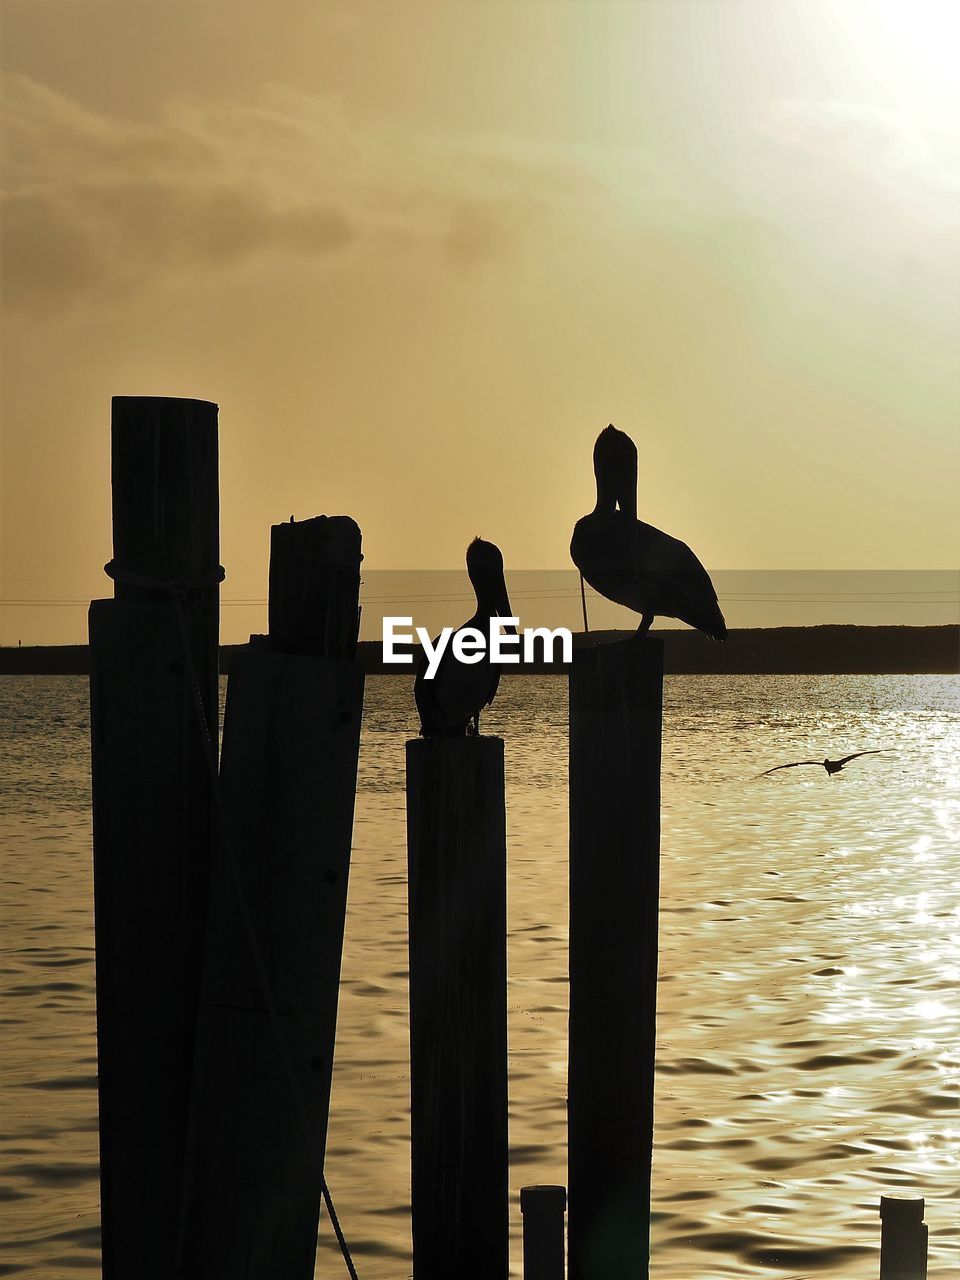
{"points": [[758, 599]]}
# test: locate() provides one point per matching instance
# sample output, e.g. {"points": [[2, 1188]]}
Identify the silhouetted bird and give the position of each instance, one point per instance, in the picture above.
{"points": [[453, 699], [633, 563], [831, 766]]}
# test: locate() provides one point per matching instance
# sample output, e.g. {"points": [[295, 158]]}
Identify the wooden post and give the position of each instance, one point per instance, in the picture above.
{"points": [[152, 818], [314, 594], [279, 891], [903, 1238], [166, 514], [543, 1236], [615, 727], [458, 1008]]}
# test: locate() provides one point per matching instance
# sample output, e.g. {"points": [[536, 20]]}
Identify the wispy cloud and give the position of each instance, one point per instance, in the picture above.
{"points": [[852, 133], [99, 205]]}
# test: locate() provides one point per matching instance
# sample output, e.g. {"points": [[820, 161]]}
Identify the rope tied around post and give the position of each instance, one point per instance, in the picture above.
{"points": [[178, 589]]}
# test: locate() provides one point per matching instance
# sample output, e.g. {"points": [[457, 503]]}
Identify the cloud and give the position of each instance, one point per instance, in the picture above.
{"points": [[45, 254], [101, 205], [97, 205], [475, 234], [852, 133], [860, 184]]}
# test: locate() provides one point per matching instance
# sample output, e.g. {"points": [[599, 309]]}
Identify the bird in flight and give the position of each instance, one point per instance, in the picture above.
{"points": [[633, 563], [831, 766]]}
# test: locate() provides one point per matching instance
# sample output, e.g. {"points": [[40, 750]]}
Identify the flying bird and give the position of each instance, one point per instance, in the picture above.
{"points": [[831, 766], [633, 563], [450, 703]]}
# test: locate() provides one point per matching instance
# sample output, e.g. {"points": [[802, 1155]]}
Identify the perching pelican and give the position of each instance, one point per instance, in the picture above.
{"points": [[457, 693], [831, 766], [633, 563]]}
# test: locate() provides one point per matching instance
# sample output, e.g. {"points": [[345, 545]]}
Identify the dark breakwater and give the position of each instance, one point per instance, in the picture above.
{"points": [[824, 650]]}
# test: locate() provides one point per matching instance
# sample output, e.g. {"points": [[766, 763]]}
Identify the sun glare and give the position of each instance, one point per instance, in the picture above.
{"points": [[909, 50]]}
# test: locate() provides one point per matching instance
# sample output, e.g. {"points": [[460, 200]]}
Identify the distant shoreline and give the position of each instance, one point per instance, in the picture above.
{"points": [[822, 650]]}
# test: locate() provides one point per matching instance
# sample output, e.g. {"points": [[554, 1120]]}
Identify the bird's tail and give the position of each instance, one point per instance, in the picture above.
{"points": [[706, 617], [716, 627]]}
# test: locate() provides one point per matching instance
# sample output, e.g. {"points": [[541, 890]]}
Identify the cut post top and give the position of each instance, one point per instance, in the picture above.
{"points": [[165, 481], [645, 649], [144, 404], [329, 539], [314, 589], [544, 1197], [901, 1208]]}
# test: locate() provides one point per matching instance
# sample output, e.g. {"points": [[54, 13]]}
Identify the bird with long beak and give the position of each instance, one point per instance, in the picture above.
{"points": [[633, 563], [450, 703]]}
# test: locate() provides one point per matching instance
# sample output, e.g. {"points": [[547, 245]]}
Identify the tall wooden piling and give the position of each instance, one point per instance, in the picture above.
{"points": [[152, 816], [615, 733], [278, 901], [458, 1008], [903, 1238]]}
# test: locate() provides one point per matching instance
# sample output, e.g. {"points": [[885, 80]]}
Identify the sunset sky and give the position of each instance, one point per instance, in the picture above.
{"points": [[420, 253]]}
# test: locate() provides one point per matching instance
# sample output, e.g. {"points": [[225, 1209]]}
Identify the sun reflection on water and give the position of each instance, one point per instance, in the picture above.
{"points": [[808, 1054]]}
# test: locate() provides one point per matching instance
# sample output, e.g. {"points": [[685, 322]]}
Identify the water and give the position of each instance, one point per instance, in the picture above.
{"points": [[809, 1025]]}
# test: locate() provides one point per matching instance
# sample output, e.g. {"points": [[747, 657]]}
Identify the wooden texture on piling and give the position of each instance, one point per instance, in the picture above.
{"points": [[458, 1008], [288, 778], [279, 890], [615, 734], [152, 820]]}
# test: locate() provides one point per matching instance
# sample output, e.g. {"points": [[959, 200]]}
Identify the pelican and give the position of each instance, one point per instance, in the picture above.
{"points": [[633, 563], [451, 702], [831, 766]]}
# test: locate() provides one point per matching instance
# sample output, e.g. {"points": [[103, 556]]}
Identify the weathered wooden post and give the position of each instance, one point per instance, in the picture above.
{"points": [[903, 1238], [458, 1008], [277, 906], [152, 814], [544, 1250], [616, 698]]}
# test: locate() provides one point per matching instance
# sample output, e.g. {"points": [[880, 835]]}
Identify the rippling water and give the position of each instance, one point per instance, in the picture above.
{"points": [[809, 1024]]}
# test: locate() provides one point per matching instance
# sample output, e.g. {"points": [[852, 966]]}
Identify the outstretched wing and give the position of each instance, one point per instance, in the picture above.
{"points": [[793, 765], [875, 752]]}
